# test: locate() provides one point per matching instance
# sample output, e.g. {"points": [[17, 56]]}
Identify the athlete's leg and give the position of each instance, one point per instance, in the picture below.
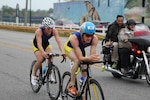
{"points": [[74, 58], [40, 58], [115, 56]]}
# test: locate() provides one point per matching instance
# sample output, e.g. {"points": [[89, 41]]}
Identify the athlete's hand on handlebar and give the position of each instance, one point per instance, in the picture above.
{"points": [[45, 54], [64, 58], [109, 43], [94, 57]]}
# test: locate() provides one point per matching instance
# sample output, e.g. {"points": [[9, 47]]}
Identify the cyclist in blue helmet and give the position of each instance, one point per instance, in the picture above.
{"points": [[75, 49]]}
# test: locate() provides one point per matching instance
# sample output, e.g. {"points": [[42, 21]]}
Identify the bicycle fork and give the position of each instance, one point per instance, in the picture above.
{"points": [[94, 90]]}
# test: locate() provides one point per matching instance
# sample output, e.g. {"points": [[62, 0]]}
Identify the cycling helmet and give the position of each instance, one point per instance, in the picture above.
{"points": [[48, 22], [87, 28], [130, 22]]}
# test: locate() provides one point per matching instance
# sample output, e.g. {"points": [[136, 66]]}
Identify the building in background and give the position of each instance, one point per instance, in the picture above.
{"points": [[103, 10], [80, 11]]}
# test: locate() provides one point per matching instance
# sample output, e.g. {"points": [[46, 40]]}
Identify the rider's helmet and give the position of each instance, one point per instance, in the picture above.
{"points": [[130, 22], [87, 28], [48, 22]]}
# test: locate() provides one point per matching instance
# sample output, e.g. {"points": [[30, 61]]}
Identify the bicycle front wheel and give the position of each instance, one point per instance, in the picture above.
{"points": [[53, 83], [37, 87], [64, 83], [94, 91]]}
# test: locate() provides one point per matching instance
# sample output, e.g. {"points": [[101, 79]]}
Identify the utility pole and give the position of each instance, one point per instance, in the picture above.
{"points": [[30, 13], [143, 5], [17, 13], [26, 13], [1, 14]]}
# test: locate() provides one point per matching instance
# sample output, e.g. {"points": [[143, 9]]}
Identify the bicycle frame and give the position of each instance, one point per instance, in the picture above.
{"points": [[85, 84], [50, 64]]}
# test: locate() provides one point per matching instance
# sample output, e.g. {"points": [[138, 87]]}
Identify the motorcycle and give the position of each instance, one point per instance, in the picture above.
{"points": [[139, 59]]}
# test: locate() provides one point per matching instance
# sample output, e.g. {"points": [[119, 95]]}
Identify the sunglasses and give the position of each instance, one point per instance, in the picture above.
{"points": [[87, 35], [48, 28]]}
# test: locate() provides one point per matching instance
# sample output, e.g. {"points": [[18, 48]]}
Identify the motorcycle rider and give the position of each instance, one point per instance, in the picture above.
{"points": [[125, 46], [112, 37]]}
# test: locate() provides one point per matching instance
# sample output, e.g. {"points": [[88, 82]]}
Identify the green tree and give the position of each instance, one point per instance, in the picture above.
{"points": [[148, 8], [8, 11], [50, 11]]}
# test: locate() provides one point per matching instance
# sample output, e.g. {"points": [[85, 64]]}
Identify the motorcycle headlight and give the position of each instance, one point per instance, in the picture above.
{"points": [[148, 49]]}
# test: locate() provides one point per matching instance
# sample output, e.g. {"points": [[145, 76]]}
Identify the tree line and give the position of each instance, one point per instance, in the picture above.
{"points": [[7, 11]]}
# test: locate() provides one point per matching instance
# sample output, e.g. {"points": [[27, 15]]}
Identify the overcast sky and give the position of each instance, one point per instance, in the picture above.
{"points": [[35, 4]]}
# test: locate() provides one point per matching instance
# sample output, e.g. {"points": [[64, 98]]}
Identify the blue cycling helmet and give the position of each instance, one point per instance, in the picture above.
{"points": [[87, 28]]}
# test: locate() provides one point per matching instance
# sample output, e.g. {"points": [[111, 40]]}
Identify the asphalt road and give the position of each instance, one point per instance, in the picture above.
{"points": [[15, 60]]}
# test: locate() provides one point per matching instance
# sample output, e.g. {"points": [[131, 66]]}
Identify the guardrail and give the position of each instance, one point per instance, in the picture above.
{"points": [[100, 31], [20, 24]]}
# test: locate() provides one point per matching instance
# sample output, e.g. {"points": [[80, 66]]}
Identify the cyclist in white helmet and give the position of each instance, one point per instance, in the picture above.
{"points": [[41, 46], [74, 49]]}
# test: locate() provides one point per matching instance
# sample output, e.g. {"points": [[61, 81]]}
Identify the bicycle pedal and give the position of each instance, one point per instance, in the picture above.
{"points": [[53, 95], [63, 94], [40, 82], [70, 94]]}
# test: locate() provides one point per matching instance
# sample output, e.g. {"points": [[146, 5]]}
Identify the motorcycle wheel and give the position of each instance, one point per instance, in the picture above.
{"points": [[116, 75], [148, 76], [148, 79]]}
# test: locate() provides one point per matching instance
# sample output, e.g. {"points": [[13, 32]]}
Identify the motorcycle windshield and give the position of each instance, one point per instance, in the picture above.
{"points": [[142, 39]]}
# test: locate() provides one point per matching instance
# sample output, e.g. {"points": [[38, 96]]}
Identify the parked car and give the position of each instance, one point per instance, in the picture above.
{"points": [[66, 23], [141, 29], [148, 25], [100, 24], [141, 26]]}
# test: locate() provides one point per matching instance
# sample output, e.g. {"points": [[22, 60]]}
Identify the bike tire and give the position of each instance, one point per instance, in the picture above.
{"points": [[39, 75], [94, 91], [148, 79], [53, 83], [66, 77]]}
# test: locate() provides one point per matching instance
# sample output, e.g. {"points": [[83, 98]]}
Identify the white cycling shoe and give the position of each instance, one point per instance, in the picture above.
{"points": [[34, 80], [52, 78]]}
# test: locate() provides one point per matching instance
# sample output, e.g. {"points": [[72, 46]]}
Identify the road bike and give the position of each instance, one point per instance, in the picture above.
{"points": [[90, 88], [51, 77]]}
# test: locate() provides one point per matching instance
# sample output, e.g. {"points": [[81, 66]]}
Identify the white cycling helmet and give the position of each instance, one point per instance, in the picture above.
{"points": [[48, 22], [87, 28]]}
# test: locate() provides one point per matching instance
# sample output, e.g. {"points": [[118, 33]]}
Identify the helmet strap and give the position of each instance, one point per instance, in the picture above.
{"points": [[82, 38]]}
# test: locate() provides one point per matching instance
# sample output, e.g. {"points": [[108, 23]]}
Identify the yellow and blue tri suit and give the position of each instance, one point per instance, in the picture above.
{"points": [[68, 46], [45, 42]]}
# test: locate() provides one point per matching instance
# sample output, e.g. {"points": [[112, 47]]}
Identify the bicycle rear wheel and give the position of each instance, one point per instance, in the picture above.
{"points": [[37, 87], [94, 91], [53, 83]]}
